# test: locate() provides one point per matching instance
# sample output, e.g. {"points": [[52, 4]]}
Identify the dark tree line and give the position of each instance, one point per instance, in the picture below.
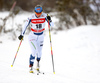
{"points": [[88, 10], [71, 12], [28, 5]]}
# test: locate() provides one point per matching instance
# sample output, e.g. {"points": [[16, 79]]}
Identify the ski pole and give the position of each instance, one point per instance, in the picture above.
{"points": [[16, 53], [51, 47]]}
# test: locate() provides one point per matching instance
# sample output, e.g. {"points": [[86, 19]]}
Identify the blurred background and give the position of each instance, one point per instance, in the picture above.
{"points": [[66, 14], [75, 41]]}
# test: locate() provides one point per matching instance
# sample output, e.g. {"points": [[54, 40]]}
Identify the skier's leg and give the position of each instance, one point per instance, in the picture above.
{"points": [[33, 45], [38, 63], [39, 46], [31, 60]]}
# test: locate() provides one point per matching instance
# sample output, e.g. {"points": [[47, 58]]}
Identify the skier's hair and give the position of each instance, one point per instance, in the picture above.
{"points": [[38, 6]]}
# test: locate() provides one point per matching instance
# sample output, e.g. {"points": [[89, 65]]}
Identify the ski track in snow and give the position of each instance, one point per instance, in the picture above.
{"points": [[76, 58]]}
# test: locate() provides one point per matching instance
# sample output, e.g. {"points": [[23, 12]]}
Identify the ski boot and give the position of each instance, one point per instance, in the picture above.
{"points": [[31, 68], [38, 66]]}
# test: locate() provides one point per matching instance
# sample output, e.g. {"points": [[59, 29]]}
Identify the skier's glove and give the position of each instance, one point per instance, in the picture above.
{"points": [[49, 18], [20, 37]]}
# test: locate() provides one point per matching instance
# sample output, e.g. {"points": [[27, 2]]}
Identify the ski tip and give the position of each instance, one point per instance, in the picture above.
{"points": [[11, 65], [54, 72]]}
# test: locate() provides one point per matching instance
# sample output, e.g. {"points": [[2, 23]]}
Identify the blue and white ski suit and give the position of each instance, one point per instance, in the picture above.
{"points": [[36, 36]]}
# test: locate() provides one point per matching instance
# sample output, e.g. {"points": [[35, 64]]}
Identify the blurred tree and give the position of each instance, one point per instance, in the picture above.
{"points": [[78, 8], [68, 7], [1, 4], [72, 12], [6, 4]]}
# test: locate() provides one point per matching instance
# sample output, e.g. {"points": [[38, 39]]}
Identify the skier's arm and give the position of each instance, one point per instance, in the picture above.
{"points": [[24, 29], [25, 26]]}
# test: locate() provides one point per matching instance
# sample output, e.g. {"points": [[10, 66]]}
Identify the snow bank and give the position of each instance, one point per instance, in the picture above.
{"points": [[76, 58]]}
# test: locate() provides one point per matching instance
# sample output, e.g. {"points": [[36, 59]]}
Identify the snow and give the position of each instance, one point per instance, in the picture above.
{"points": [[76, 55]]}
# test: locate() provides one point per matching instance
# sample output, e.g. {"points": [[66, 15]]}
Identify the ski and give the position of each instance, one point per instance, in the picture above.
{"points": [[36, 72]]}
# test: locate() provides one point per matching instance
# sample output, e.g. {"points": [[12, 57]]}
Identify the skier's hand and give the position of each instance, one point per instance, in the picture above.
{"points": [[20, 37], [48, 18]]}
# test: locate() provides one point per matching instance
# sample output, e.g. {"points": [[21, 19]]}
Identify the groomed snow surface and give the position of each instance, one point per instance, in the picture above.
{"points": [[76, 55]]}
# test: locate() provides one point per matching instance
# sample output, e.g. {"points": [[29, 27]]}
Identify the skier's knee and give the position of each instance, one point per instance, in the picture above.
{"points": [[38, 59]]}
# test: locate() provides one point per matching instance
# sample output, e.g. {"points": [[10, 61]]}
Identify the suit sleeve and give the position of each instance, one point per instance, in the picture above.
{"points": [[51, 24], [25, 26]]}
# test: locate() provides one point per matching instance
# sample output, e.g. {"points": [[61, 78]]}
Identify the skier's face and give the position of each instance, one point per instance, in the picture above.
{"points": [[38, 14]]}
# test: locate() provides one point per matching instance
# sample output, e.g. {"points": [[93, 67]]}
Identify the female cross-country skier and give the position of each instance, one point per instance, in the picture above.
{"points": [[36, 36]]}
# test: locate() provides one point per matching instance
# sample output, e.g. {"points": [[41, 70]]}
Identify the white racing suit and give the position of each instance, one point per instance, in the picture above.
{"points": [[36, 36]]}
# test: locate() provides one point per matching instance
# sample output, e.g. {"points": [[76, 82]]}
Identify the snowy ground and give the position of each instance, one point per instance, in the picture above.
{"points": [[76, 57]]}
